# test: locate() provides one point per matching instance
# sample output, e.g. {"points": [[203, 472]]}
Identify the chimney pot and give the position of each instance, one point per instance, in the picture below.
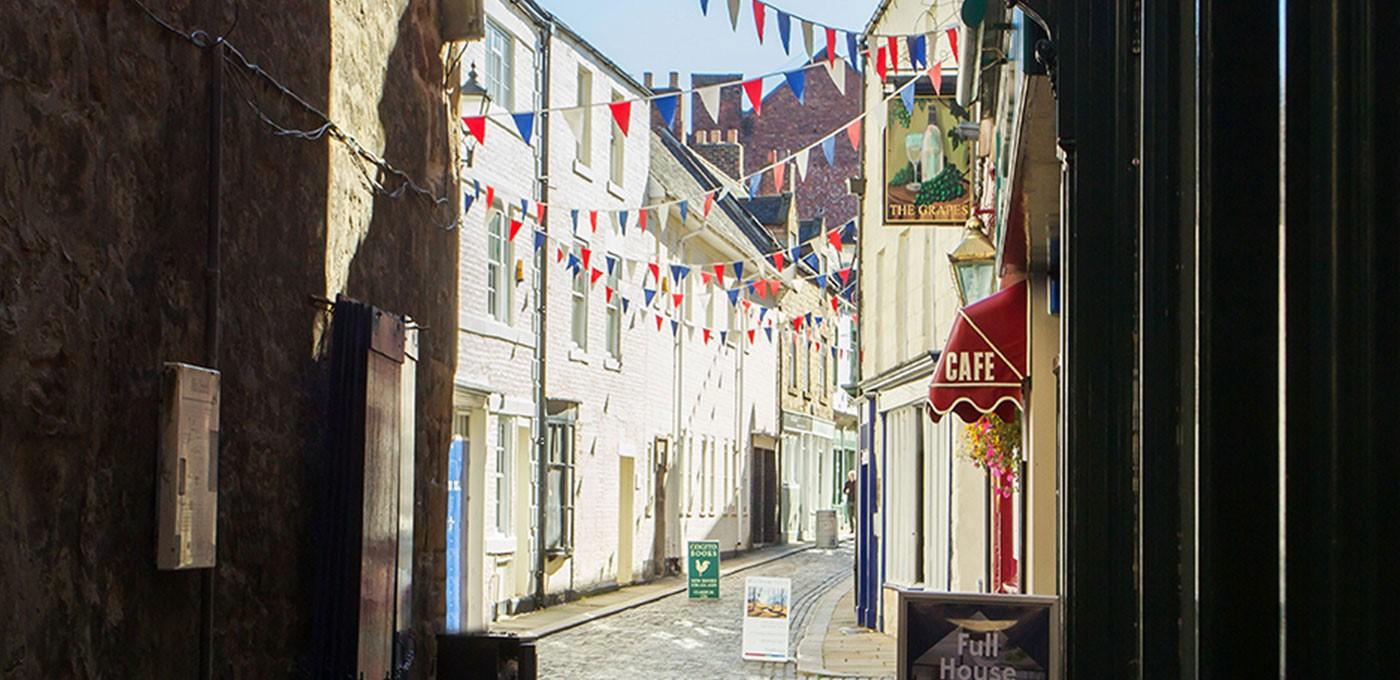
{"points": [[676, 79], [646, 79], [733, 136]]}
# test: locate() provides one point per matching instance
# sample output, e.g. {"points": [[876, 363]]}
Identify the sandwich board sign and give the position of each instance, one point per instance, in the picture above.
{"points": [[961, 635], [767, 614], [702, 570]]}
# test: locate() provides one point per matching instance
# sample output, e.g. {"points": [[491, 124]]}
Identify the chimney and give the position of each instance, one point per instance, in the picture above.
{"points": [[727, 155], [675, 80], [733, 136], [646, 79], [678, 130]]}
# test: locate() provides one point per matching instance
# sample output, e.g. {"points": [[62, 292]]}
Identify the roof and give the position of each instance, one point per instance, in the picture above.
{"points": [[549, 17], [770, 210], [696, 172]]}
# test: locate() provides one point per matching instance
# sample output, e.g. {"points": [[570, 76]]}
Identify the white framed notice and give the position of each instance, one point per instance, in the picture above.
{"points": [[767, 615]]}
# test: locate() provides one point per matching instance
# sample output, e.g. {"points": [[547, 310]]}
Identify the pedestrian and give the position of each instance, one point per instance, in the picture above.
{"points": [[850, 491]]}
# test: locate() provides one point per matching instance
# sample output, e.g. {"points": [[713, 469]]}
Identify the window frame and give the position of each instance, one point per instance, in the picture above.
{"points": [[614, 307], [500, 86], [578, 310], [500, 279], [503, 467], [583, 147], [617, 149], [563, 457]]}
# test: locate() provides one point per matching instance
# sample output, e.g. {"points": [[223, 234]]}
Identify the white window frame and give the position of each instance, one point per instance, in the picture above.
{"points": [[614, 307], [583, 149], [617, 149], [500, 65], [500, 275], [502, 468], [578, 314]]}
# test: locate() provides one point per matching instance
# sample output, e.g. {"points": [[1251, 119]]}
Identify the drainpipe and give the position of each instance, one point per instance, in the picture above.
{"points": [[212, 305], [541, 325]]}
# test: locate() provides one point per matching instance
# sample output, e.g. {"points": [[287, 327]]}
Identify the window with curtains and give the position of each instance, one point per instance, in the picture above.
{"points": [[499, 277], [614, 308], [559, 492], [500, 65]]}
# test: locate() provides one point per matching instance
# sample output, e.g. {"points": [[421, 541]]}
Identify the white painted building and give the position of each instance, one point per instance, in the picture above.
{"points": [[648, 436]]}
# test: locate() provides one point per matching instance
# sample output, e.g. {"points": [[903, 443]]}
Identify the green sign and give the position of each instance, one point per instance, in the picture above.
{"points": [[702, 570]]}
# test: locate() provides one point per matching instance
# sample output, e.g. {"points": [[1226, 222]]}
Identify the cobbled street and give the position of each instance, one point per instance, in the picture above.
{"points": [[678, 638]]}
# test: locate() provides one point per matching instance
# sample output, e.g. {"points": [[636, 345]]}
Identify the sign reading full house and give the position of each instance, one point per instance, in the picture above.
{"points": [[955, 636]]}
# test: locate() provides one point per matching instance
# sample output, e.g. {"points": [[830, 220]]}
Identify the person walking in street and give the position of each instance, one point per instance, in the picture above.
{"points": [[850, 491]]}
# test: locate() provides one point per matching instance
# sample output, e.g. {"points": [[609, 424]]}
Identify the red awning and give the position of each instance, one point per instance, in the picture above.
{"points": [[984, 364]]}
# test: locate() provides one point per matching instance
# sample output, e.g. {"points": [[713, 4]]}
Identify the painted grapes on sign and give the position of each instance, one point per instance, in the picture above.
{"points": [[927, 176]]}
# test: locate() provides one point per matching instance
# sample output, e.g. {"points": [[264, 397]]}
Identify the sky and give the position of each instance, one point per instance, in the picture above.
{"points": [[672, 35]]}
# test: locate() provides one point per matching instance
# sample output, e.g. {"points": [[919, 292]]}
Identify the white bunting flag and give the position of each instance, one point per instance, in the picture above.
{"points": [[837, 70], [734, 14], [803, 157], [574, 117], [663, 215], [709, 96], [806, 36]]}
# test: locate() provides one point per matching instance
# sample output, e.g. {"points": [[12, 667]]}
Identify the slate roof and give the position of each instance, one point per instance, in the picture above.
{"points": [[770, 210], [695, 171]]}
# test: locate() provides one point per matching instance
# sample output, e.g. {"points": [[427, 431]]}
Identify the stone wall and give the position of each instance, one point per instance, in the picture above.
{"points": [[103, 119]]}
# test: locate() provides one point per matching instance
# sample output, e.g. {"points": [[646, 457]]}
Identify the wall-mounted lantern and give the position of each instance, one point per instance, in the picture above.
{"points": [[974, 263]]}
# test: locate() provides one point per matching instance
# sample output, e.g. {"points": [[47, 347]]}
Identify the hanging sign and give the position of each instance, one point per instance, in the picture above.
{"points": [[927, 169], [702, 570], [767, 613], [956, 635]]}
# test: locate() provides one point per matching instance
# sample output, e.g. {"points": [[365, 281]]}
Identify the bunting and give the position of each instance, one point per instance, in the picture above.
{"points": [[830, 44], [477, 126], [622, 115], [514, 229], [666, 106], [525, 123], [785, 31], [754, 89], [953, 43], [734, 15], [758, 17], [709, 97], [797, 82]]}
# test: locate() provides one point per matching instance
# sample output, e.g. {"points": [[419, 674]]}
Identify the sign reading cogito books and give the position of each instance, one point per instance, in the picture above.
{"points": [[702, 570], [928, 177]]}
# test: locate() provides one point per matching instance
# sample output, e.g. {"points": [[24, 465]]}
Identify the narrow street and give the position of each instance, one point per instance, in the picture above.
{"points": [[678, 638]]}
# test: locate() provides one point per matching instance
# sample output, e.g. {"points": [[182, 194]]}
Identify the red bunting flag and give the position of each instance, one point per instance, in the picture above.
{"points": [[642, 221], [754, 89], [490, 196], [477, 126], [594, 276], [709, 202], [558, 254], [853, 134], [706, 333], [830, 45], [750, 336], [593, 220], [778, 171], [622, 114], [845, 275], [758, 16], [607, 294], [834, 238], [658, 322], [539, 213], [514, 229], [585, 254], [746, 304], [676, 299], [655, 270], [778, 260], [935, 76], [796, 324], [833, 303], [719, 274], [953, 43], [880, 67], [893, 42], [705, 278]]}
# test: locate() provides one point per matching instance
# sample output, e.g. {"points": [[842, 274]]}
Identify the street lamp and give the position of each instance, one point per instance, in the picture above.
{"points": [[974, 263], [474, 98]]}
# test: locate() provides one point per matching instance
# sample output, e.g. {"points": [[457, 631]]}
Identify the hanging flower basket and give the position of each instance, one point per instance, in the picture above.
{"points": [[995, 446]]}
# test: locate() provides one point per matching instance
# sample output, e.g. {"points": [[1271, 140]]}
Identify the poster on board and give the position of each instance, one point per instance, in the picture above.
{"points": [[928, 176], [997, 637], [767, 610]]}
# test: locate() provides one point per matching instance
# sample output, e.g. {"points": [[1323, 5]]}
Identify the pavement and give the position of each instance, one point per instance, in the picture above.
{"points": [[655, 631]]}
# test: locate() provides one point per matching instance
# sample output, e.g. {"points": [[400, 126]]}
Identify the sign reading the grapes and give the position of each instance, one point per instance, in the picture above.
{"points": [[927, 166]]}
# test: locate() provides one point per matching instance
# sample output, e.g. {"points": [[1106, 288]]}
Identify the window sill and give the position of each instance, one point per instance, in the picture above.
{"points": [[500, 545], [583, 170], [615, 190], [612, 364], [579, 355], [489, 327]]}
